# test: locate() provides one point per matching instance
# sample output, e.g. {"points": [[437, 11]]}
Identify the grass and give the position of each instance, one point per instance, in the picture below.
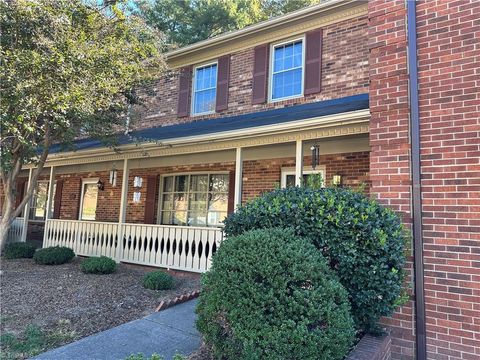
{"points": [[34, 341]]}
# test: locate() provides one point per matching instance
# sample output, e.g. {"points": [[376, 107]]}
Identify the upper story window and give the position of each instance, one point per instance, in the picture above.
{"points": [[204, 89], [287, 67]]}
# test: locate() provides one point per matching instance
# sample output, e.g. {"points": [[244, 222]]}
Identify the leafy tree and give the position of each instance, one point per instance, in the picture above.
{"points": [[188, 21], [68, 68]]}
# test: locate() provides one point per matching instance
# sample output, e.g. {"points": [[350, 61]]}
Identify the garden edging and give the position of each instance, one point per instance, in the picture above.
{"points": [[372, 348]]}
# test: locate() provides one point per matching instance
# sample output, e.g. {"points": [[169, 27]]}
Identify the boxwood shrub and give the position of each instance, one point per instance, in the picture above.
{"points": [[18, 250], [271, 295], [54, 255], [98, 265], [158, 280], [362, 241]]}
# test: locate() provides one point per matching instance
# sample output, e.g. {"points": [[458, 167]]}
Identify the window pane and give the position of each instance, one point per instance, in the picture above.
{"points": [[205, 89], [180, 201], [290, 181], [166, 217], [168, 184], [89, 202], [205, 101], [198, 183], [297, 54], [197, 219], [198, 202], [179, 218], [287, 70], [167, 203], [219, 183], [215, 218], [218, 202], [288, 83], [180, 183]]}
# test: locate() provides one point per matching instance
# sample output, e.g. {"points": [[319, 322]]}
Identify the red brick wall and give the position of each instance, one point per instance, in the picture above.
{"points": [[344, 73], [449, 80], [449, 77]]}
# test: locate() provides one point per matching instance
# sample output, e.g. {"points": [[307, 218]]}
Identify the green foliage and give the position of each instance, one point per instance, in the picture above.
{"points": [[186, 22], [98, 265], [158, 280], [271, 295], [363, 241], [19, 250], [55, 255], [33, 341]]}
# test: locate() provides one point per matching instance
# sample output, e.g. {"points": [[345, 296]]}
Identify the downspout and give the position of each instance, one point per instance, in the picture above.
{"points": [[420, 326]]}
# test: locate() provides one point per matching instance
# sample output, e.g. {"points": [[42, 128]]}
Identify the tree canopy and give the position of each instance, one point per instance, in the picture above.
{"points": [[188, 21], [68, 69]]}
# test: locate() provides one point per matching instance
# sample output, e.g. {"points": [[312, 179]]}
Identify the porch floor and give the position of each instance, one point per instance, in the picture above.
{"points": [[166, 333]]}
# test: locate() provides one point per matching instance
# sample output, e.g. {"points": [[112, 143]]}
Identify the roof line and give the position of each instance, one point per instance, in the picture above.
{"points": [[251, 29]]}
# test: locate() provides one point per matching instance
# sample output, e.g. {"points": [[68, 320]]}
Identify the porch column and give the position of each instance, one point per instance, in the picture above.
{"points": [[299, 163], [51, 183], [26, 210], [238, 178], [123, 210]]}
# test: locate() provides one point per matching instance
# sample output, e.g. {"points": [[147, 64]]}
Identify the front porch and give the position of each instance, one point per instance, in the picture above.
{"points": [[162, 203]]}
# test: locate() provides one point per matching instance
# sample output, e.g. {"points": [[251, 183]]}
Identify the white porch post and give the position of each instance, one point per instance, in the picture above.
{"points": [[238, 178], [26, 210], [51, 183], [299, 163], [123, 210]]}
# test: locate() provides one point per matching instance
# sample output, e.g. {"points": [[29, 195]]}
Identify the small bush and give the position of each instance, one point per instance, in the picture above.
{"points": [[18, 250], [98, 265], [362, 241], [271, 295], [158, 280], [55, 255]]}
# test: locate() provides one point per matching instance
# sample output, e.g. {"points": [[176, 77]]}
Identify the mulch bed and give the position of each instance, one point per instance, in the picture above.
{"points": [[45, 295]]}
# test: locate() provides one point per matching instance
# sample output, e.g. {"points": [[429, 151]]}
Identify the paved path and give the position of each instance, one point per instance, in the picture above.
{"points": [[165, 333]]}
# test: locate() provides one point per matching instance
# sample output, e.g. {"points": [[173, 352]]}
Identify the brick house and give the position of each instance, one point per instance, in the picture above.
{"points": [[330, 90]]}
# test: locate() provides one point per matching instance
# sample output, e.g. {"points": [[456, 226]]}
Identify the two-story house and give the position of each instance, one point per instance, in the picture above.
{"points": [[380, 93]]}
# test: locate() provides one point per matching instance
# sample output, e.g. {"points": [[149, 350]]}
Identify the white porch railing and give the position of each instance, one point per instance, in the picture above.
{"points": [[176, 247], [15, 231]]}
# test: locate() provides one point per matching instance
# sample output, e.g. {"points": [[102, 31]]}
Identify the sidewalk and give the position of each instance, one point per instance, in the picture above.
{"points": [[167, 332]]}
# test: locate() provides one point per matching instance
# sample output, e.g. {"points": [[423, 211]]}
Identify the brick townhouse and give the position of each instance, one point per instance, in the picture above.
{"points": [[379, 94]]}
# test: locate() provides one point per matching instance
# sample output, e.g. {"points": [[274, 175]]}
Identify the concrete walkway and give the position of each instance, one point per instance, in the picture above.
{"points": [[167, 332]]}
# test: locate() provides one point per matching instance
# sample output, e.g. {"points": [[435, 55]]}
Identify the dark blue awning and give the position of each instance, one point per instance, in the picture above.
{"points": [[237, 122]]}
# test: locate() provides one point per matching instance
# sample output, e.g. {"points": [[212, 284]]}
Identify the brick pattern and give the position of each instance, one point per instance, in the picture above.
{"points": [[344, 73], [448, 60], [449, 81], [389, 139], [372, 348]]}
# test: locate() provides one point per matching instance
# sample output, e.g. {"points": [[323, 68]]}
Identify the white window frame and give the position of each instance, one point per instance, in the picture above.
{"points": [[194, 74], [270, 71], [86, 181], [160, 193], [306, 171]]}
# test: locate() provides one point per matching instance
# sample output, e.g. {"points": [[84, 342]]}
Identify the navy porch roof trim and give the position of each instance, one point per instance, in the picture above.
{"points": [[244, 121]]}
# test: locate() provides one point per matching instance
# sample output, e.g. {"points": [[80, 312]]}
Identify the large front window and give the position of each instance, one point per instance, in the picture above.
{"points": [[287, 70], [88, 205], [204, 89], [194, 199]]}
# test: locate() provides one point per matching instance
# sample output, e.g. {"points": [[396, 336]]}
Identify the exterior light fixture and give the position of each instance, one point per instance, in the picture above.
{"points": [[337, 180], [100, 185], [113, 177], [315, 155]]}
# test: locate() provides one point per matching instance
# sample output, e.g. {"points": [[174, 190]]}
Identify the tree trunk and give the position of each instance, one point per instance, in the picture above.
{"points": [[7, 218]]}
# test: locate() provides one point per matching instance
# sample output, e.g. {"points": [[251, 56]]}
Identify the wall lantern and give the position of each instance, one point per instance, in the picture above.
{"points": [[315, 155], [100, 185], [337, 180], [137, 182]]}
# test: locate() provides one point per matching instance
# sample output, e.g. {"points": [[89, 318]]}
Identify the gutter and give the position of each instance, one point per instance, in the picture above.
{"points": [[415, 166]]}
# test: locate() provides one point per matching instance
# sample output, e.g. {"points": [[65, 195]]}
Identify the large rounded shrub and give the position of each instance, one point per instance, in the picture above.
{"points": [[98, 265], [158, 280], [363, 241], [270, 295], [54, 255], [18, 250]]}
